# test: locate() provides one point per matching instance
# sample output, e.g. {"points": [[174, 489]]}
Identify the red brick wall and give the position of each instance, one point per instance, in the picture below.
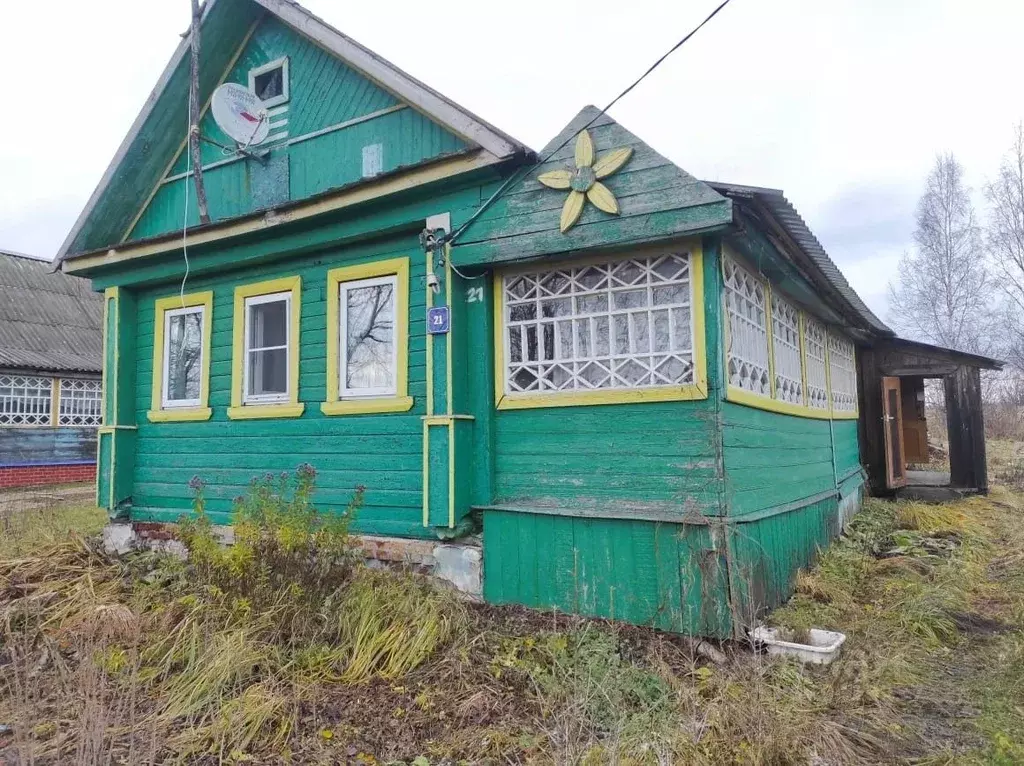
{"points": [[40, 475]]}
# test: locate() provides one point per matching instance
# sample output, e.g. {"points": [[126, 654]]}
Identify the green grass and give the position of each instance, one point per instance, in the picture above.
{"points": [[374, 666], [29, 529]]}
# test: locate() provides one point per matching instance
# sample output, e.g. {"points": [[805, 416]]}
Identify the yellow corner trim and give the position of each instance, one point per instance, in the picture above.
{"points": [[160, 308], [261, 411], [696, 390], [585, 398], [282, 285], [366, 406], [398, 267], [758, 401], [182, 414]]}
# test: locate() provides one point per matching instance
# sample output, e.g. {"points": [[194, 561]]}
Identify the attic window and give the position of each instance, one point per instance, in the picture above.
{"points": [[270, 82]]}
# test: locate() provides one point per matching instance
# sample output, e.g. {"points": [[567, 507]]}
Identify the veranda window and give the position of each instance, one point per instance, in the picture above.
{"points": [[267, 321], [842, 373], [612, 325], [81, 402], [369, 337], [25, 400], [746, 300], [183, 356]]}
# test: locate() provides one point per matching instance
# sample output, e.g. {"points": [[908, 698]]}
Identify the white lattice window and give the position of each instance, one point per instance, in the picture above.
{"points": [[25, 400], [81, 402], [815, 340], [788, 366], [842, 373], [748, 335], [621, 324]]}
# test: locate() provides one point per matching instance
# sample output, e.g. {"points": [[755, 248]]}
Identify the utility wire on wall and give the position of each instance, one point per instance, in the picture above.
{"points": [[516, 176]]}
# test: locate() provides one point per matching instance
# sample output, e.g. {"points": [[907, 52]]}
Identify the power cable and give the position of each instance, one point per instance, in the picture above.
{"points": [[515, 176]]}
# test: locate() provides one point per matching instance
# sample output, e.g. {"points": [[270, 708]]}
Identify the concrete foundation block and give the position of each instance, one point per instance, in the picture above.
{"points": [[462, 566]]}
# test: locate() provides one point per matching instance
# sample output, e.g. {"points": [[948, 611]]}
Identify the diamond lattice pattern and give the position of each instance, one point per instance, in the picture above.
{"points": [[25, 400], [842, 373], [81, 402], [789, 385], [619, 324], [748, 334], [815, 339]]}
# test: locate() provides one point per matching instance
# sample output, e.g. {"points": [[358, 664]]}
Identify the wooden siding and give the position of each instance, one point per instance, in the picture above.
{"points": [[657, 200], [323, 92], [654, 458], [766, 554], [380, 451], [668, 576], [47, 446], [774, 460]]}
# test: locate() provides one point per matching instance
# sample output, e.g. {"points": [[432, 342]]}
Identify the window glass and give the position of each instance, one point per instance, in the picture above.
{"points": [[267, 347], [619, 324], [814, 350], [81, 402], [25, 400], [788, 365], [269, 84], [745, 302], [842, 373], [368, 333], [183, 360]]}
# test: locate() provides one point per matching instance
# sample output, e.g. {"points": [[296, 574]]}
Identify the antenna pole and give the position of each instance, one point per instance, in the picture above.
{"points": [[193, 119]]}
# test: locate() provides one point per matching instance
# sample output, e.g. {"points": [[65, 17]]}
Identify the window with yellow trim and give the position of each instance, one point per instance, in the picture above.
{"points": [[265, 350], [181, 357], [792, 364], [614, 329], [368, 338]]}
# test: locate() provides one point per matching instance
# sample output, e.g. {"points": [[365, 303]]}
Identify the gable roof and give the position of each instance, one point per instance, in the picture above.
{"points": [[48, 321], [656, 199], [149, 146], [773, 203]]}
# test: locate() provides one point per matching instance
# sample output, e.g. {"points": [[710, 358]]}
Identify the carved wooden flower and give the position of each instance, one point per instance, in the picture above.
{"points": [[584, 182]]}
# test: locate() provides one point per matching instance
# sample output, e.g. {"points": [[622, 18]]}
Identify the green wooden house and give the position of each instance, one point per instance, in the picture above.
{"points": [[644, 391]]}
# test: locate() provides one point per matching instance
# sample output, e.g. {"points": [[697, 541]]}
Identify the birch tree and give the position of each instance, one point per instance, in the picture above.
{"points": [[944, 293], [1006, 243]]}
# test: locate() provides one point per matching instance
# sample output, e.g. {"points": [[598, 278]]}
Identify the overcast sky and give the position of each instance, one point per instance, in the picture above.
{"points": [[842, 104]]}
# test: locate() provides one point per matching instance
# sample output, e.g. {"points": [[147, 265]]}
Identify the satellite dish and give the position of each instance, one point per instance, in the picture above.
{"points": [[240, 114]]}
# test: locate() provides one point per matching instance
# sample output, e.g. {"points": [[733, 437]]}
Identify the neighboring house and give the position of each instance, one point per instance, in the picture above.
{"points": [[51, 351], [644, 386]]}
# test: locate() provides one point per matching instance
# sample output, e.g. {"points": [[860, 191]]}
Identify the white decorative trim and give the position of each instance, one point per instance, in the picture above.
{"points": [[842, 372], [611, 325], [786, 361], [815, 343], [81, 402], [270, 66], [745, 299], [26, 400]]}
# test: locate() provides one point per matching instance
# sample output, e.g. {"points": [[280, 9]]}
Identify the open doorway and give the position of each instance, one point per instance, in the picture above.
{"points": [[921, 424]]}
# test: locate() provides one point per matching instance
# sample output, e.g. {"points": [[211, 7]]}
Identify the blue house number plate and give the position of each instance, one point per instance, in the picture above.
{"points": [[439, 320]]}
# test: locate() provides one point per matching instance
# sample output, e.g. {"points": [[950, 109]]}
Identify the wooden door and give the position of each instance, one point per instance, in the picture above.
{"points": [[892, 430]]}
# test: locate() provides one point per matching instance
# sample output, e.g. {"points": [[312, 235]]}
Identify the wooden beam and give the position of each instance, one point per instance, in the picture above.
{"points": [[966, 423]]}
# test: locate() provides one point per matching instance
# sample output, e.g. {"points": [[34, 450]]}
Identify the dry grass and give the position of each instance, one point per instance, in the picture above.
{"points": [[137, 661]]}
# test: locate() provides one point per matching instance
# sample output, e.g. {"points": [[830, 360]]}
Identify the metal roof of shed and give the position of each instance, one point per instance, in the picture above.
{"points": [[48, 321]]}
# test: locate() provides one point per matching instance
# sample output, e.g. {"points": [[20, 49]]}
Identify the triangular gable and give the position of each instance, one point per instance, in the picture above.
{"points": [[656, 200], [154, 139]]}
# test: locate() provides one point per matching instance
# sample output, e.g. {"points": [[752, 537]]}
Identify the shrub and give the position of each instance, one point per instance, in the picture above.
{"points": [[283, 546]]}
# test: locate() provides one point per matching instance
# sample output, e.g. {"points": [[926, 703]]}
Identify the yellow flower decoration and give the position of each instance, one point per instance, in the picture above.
{"points": [[584, 181]]}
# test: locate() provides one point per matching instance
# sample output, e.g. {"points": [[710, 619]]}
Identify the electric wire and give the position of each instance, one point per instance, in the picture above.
{"points": [[515, 176]]}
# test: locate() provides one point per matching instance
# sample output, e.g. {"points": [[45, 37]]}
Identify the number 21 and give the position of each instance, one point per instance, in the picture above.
{"points": [[476, 295]]}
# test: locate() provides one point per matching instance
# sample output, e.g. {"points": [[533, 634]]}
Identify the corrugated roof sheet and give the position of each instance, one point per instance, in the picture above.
{"points": [[798, 230], [48, 321]]}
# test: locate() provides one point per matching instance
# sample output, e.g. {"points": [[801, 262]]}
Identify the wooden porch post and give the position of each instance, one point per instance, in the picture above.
{"points": [[966, 423]]}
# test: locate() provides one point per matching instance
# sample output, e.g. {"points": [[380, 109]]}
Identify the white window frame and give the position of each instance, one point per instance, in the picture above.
{"points": [[365, 393], [69, 408], [281, 63], [256, 300], [165, 402], [647, 261], [40, 394]]}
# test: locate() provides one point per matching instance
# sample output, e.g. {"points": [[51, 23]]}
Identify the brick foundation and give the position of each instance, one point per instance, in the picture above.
{"points": [[42, 475]]}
